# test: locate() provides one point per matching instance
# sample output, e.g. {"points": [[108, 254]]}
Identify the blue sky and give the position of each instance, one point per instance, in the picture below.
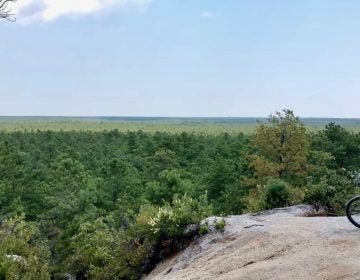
{"points": [[181, 58]]}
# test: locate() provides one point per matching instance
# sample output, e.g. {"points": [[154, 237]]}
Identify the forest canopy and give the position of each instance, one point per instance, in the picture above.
{"points": [[111, 204]]}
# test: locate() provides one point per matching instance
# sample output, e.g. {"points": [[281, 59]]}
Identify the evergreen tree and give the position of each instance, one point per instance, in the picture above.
{"points": [[281, 149]]}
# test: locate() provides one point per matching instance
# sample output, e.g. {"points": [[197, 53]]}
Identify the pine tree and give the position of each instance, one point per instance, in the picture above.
{"points": [[281, 149]]}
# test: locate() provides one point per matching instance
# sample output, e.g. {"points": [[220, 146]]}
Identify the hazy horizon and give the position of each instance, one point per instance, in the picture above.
{"points": [[168, 117]]}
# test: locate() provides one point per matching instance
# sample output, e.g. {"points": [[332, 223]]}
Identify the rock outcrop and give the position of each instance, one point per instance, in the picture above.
{"points": [[278, 244]]}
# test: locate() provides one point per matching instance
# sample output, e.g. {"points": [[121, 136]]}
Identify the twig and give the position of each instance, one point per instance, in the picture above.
{"points": [[254, 225], [5, 11]]}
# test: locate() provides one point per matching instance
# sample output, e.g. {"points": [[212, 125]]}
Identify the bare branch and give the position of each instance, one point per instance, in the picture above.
{"points": [[5, 10]]}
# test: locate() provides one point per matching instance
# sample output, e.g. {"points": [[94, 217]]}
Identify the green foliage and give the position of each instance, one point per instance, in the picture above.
{"points": [[204, 229], [22, 254], [100, 252], [92, 250], [170, 182], [343, 145], [221, 174], [320, 164], [205, 126], [98, 205], [282, 147], [332, 191], [233, 200], [276, 194], [171, 219], [220, 225]]}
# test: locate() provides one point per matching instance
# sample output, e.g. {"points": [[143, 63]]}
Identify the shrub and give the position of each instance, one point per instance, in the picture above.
{"points": [[276, 194], [204, 229], [254, 200], [157, 233], [220, 225], [296, 195], [332, 192], [22, 254], [170, 220]]}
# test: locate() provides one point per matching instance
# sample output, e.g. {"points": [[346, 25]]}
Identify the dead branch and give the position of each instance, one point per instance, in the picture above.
{"points": [[5, 10]]}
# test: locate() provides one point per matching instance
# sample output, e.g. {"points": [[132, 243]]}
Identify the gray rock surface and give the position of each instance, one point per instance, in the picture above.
{"points": [[276, 244]]}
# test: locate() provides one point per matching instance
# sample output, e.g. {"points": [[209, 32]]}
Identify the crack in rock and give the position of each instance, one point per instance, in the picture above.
{"points": [[273, 256]]}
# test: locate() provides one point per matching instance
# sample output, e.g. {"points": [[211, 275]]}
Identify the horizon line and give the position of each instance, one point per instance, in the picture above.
{"points": [[166, 117]]}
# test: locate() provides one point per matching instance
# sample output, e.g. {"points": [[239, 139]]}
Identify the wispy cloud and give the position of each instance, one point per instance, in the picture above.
{"points": [[49, 10], [207, 14], [121, 29]]}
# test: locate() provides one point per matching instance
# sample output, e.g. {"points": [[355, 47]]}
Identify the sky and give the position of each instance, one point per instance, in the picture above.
{"points": [[202, 58]]}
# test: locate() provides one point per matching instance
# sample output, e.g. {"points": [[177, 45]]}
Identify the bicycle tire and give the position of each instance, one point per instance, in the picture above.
{"points": [[349, 211]]}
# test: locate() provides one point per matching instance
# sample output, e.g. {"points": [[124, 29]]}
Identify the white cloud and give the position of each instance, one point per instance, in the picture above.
{"points": [[207, 14], [48, 10]]}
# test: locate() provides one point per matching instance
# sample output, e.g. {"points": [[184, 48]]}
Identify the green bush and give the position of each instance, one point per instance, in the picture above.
{"points": [[220, 225], [100, 252], [204, 229], [333, 191], [170, 220], [276, 194], [22, 254]]}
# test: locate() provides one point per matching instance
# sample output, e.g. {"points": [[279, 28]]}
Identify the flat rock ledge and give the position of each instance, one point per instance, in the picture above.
{"points": [[277, 244]]}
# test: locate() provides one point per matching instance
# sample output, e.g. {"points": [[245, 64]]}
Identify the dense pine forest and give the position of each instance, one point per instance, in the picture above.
{"points": [[111, 204]]}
